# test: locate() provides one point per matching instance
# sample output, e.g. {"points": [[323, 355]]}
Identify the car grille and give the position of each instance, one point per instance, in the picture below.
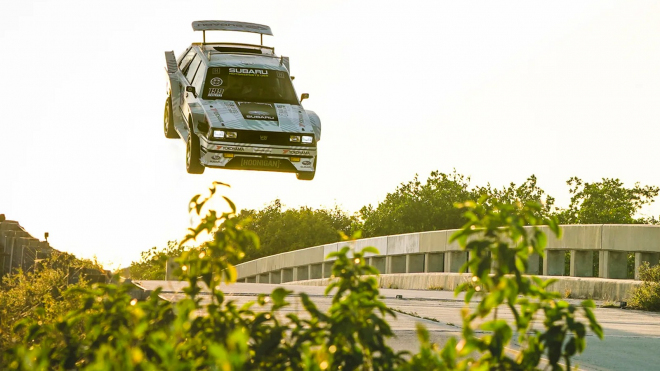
{"points": [[266, 137]]}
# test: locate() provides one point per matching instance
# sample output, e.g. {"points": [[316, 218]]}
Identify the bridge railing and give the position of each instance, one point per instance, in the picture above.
{"points": [[426, 252]]}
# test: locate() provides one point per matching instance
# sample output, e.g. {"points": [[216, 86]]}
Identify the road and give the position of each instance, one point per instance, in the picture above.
{"points": [[632, 338]]}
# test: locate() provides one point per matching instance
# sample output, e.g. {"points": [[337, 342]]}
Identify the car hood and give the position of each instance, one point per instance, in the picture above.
{"points": [[257, 116]]}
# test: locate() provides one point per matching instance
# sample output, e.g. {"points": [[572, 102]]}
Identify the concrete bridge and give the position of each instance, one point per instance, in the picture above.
{"points": [[428, 260]]}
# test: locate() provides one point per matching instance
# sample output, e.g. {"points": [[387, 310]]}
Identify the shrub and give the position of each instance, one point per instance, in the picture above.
{"points": [[112, 331], [647, 295]]}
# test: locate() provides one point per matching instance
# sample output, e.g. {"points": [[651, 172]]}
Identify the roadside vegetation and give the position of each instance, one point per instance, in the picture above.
{"points": [[38, 293], [417, 206], [647, 295], [106, 329]]}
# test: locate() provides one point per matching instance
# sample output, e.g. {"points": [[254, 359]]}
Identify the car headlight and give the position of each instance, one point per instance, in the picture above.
{"points": [[221, 134], [307, 139], [295, 138]]}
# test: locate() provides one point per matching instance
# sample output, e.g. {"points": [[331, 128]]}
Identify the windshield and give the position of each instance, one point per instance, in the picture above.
{"points": [[249, 85]]}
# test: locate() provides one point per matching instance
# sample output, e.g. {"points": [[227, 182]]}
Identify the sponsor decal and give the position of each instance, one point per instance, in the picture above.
{"points": [[306, 162], [281, 74], [216, 157], [216, 71], [216, 92], [215, 113], [263, 150], [263, 137], [254, 72], [257, 111], [264, 163], [295, 152], [230, 148], [216, 81]]}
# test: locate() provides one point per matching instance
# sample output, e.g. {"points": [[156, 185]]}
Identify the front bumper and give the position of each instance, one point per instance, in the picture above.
{"points": [[245, 156]]}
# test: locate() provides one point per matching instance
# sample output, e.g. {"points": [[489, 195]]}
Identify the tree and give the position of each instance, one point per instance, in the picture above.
{"points": [[152, 263], [417, 207], [607, 202], [292, 229], [521, 195]]}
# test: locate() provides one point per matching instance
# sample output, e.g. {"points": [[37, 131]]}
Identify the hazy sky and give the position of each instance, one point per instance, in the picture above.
{"points": [[497, 90]]}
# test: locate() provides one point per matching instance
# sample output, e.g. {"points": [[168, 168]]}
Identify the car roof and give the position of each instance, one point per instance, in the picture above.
{"points": [[239, 55]]}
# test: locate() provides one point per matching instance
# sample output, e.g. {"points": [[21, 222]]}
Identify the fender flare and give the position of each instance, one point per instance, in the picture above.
{"points": [[316, 124]]}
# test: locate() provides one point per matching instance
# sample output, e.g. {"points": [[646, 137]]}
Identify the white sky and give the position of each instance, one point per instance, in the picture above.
{"points": [[498, 91]]}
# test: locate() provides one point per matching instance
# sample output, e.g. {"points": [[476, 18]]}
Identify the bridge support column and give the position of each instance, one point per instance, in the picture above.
{"points": [[651, 258], [582, 263], [613, 264], [553, 264], [434, 262], [454, 260]]}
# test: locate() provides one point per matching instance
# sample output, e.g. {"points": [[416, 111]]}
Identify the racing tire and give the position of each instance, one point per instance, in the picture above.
{"points": [[168, 120], [308, 175], [193, 164]]}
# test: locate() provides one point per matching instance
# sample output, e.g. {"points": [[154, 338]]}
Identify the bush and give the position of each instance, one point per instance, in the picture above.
{"points": [[23, 295], [112, 331], [647, 295]]}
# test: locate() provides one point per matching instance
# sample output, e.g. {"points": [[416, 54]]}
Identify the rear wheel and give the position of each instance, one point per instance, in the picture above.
{"points": [[193, 164], [168, 120]]}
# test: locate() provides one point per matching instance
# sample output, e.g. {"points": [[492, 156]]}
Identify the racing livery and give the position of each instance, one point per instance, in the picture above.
{"points": [[235, 106]]}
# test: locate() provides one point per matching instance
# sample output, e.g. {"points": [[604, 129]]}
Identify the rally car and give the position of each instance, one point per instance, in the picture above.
{"points": [[235, 106]]}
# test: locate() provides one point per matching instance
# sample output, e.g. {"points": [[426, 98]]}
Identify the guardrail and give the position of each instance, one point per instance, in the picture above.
{"points": [[427, 252]]}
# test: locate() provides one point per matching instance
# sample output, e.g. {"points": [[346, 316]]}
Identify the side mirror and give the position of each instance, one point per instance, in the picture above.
{"points": [[191, 89], [304, 96]]}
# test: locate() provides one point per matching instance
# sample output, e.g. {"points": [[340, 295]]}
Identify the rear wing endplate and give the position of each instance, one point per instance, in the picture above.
{"points": [[170, 60]]}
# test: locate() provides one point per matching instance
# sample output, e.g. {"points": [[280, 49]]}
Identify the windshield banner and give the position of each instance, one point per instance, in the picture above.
{"points": [[257, 111]]}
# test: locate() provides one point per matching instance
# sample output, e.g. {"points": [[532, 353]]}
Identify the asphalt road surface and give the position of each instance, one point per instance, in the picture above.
{"points": [[632, 338]]}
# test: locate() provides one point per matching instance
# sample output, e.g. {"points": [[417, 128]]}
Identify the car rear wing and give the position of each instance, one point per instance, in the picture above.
{"points": [[231, 26]]}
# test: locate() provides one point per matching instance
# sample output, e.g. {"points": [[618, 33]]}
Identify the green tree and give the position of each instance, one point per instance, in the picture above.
{"points": [[291, 229], [152, 263], [520, 195], [415, 206], [607, 202]]}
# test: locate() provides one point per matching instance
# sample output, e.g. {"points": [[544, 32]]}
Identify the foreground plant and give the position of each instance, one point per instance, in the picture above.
{"points": [[206, 331], [500, 239]]}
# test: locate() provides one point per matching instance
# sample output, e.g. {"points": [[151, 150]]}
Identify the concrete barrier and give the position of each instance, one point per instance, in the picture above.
{"points": [[430, 253], [569, 287]]}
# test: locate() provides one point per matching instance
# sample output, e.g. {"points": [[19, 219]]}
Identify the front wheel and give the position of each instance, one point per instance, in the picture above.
{"points": [[308, 175], [168, 120], [193, 164]]}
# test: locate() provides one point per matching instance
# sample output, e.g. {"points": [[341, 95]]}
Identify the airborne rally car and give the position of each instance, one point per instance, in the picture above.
{"points": [[235, 106]]}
